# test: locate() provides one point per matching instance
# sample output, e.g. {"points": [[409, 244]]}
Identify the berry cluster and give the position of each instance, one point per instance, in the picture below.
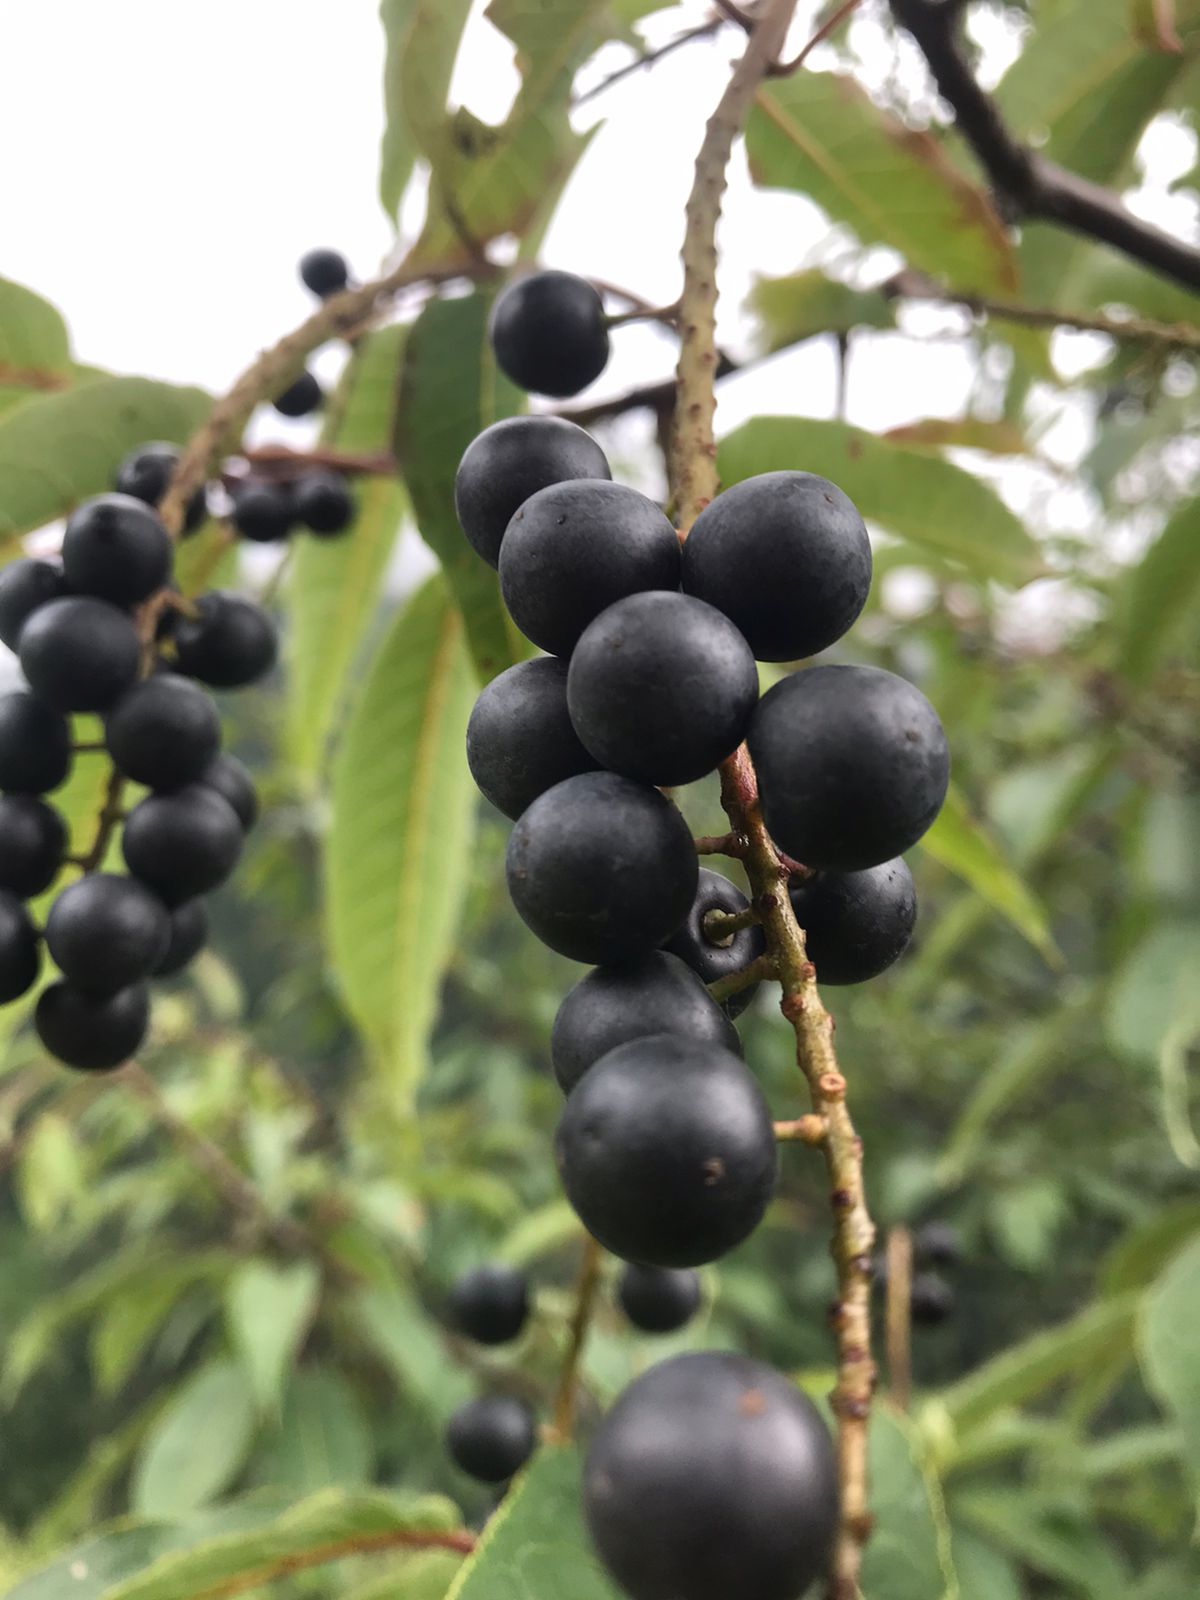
{"points": [[105, 632], [666, 1145], [492, 1437]]}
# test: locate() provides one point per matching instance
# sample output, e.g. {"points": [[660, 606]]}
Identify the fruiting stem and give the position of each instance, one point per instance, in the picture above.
{"points": [[809, 1129], [718, 844], [586, 1287], [734, 982], [693, 483], [898, 1316], [719, 927]]}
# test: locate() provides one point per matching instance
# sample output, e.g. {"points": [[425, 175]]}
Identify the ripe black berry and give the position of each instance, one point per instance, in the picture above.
{"points": [[229, 644], [520, 741], [507, 463], [79, 654], [115, 547], [658, 1299], [550, 333], [106, 932], [146, 474], [35, 745], [490, 1303], [33, 838], [323, 502], [601, 869], [711, 959], [786, 556], [852, 765], [263, 512], [713, 1476], [932, 1299], [163, 732], [667, 1151], [937, 1244], [230, 779], [18, 949], [301, 398], [574, 548], [491, 1438], [92, 1034], [187, 937], [25, 586], [182, 844], [856, 924], [614, 1005], [324, 272], [661, 687]]}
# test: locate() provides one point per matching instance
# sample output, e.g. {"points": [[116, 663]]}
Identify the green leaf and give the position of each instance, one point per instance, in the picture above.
{"points": [[450, 390], [60, 448], [1154, 1015], [127, 1323], [932, 504], [334, 584], [268, 1309], [821, 134], [425, 1576], [1129, 1451], [323, 1436], [983, 1573], [1058, 1542], [88, 1570], [1161, 595], [50, 1175], [535, 1538], [35, 351], [422, 43], [325, 1527], [961, 845], [908, 1557], [797, 307], [999, 438], [540, 1233], [399, 846], [198, 1443], [1141, 1254], [401, 1332], [1167, 1348]]}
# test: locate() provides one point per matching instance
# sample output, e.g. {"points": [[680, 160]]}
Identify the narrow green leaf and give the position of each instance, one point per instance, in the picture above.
{"points": [[788, 310], [89, 1569], [998, 438], [450, 390], [983, 1573], [539, 1233], [323, 1435], [127, 1323], [1167, 1348], [268, 1309], [1161, 595], [50, 1175], [821, 134], [1059, 1542], [1142, 1253], [932, 504], [908, 1557], [1131, 1450], [422, 42], [961, 845], [35, 351], [400, 1331], [425, 1576], [535, 1538], [403, 812], [198, 1443]]}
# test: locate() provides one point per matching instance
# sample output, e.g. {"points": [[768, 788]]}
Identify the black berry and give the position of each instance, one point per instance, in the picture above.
{"points": [[614, 1005], [230, 779], [94, 1035], [146, 475], [574, 548], [230, 643], [937, 1244], [35, 745], [300, 398], [25, 586], [324, 272], [932, 1299], [658, 1299], [182, 844], [852, 765], [786, 557], [856, 924], [115, 547], [491, 1303], [164, 732], [106, 932], [323, 502], [520, 741], [33, 838], [79, 654], [18, 949], [507, 463], [263, 512], [661, 687], [667, 1151], [550, 333], [712, 959], [601, 869], [187, 937], [491, 1438], [713, 1476]]}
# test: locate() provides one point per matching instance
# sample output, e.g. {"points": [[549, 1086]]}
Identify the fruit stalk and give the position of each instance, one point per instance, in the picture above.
{"points": [[586, 1288], [694, 482]]}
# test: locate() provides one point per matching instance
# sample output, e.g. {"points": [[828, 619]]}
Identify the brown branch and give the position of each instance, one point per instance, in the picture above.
{"points": [[111, 812], [277, 461], [898, 1316], [586, 1288], [649, 58], [1032, 186], [458, 1540], [694, 482], [784, 69], [718, 844]]}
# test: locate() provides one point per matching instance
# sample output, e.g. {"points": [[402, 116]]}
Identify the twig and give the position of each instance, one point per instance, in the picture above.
{"points": [[1031, 185], [808, 1129], [111, 812], [719, 844], [649, 58], [277, 461], [762, 967], [694, 482], [898, 1316], [586, 1288], [735, 14], [720, 926], [784, 69], [458, 1540]]}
